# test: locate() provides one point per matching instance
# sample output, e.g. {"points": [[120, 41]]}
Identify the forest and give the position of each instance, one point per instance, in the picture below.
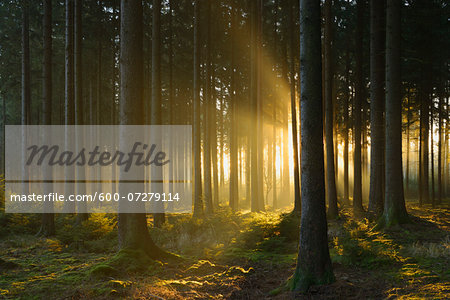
{"points": [[308, 139]]}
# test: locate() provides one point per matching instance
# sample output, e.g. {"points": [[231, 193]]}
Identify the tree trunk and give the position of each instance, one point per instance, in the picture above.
{"points": [[259, 107], [285, 186], [359, 94], [198, 201], [394, 207], [313, 263], [26, 89], [69, 207], [432, 154], [234, 192], [207, 117], [439, 171], [408, 120], [213, 125], [376, 193], [297, 196], [79, 109], [156, 104], [26, 71], [254, 106], [346, 127], [424, 134], [48, 219], [330, 173], [133, 231]]}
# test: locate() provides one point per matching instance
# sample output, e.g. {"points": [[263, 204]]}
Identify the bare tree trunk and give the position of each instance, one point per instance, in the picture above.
{"points": [[156, 104], [439, 188], [254, 104], [48, 219], [297, 196], [408, 120], [313, 263], [207, 118], [377, 62], [285, 186], [259, 108], [346, 127], [213, 125], [198, 197], [133, 232], [432, 153], [357, 183], [234, 192], [394, 207], [330, 173], [424, 134], [69, 207], [26, 89], [79, 107]]}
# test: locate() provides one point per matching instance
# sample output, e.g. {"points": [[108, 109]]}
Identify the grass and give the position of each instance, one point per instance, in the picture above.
{"points": [[227, 256]]}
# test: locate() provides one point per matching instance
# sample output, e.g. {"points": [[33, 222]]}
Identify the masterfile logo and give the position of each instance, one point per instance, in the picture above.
{"points": [[127, 169]]}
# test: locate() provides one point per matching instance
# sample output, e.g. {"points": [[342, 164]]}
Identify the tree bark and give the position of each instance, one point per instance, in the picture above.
{"points": [[346, 127], [79, 107], [207, 118], [234, 192], [359, 94], [254, 57], [394, 207], [432, 154], [329, 143], [297, 196], [156, 104], [133, 231], [198, 201], [69, 111], [313, 263], [48, 219], [376, 193]]}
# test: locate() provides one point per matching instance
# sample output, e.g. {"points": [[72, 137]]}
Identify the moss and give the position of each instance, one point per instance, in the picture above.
{"points": [[392, 218], [102, 270], [302, 280]]}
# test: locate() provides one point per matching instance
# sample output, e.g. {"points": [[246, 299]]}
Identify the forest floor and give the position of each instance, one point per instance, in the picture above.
{"points": [[230, 256]]}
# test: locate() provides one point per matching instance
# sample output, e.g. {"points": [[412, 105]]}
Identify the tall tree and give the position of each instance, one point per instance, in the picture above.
{"points": [[359, 94], [48, 219], [329, 143], [78, 101], [26, 87], [394, 206], [133, 231], [234, 192], [376, 193], [198, 201], [207, 101], [155, 110], [441, 108], [254, 59], [346, 125], [313, 263], [26, 67], [297, 196], [259, 106], [69, 103]]}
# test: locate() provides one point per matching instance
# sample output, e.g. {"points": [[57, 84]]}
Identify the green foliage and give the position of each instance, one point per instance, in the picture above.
{"points": [[289, 227], [11, 224], [97, 234]]}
